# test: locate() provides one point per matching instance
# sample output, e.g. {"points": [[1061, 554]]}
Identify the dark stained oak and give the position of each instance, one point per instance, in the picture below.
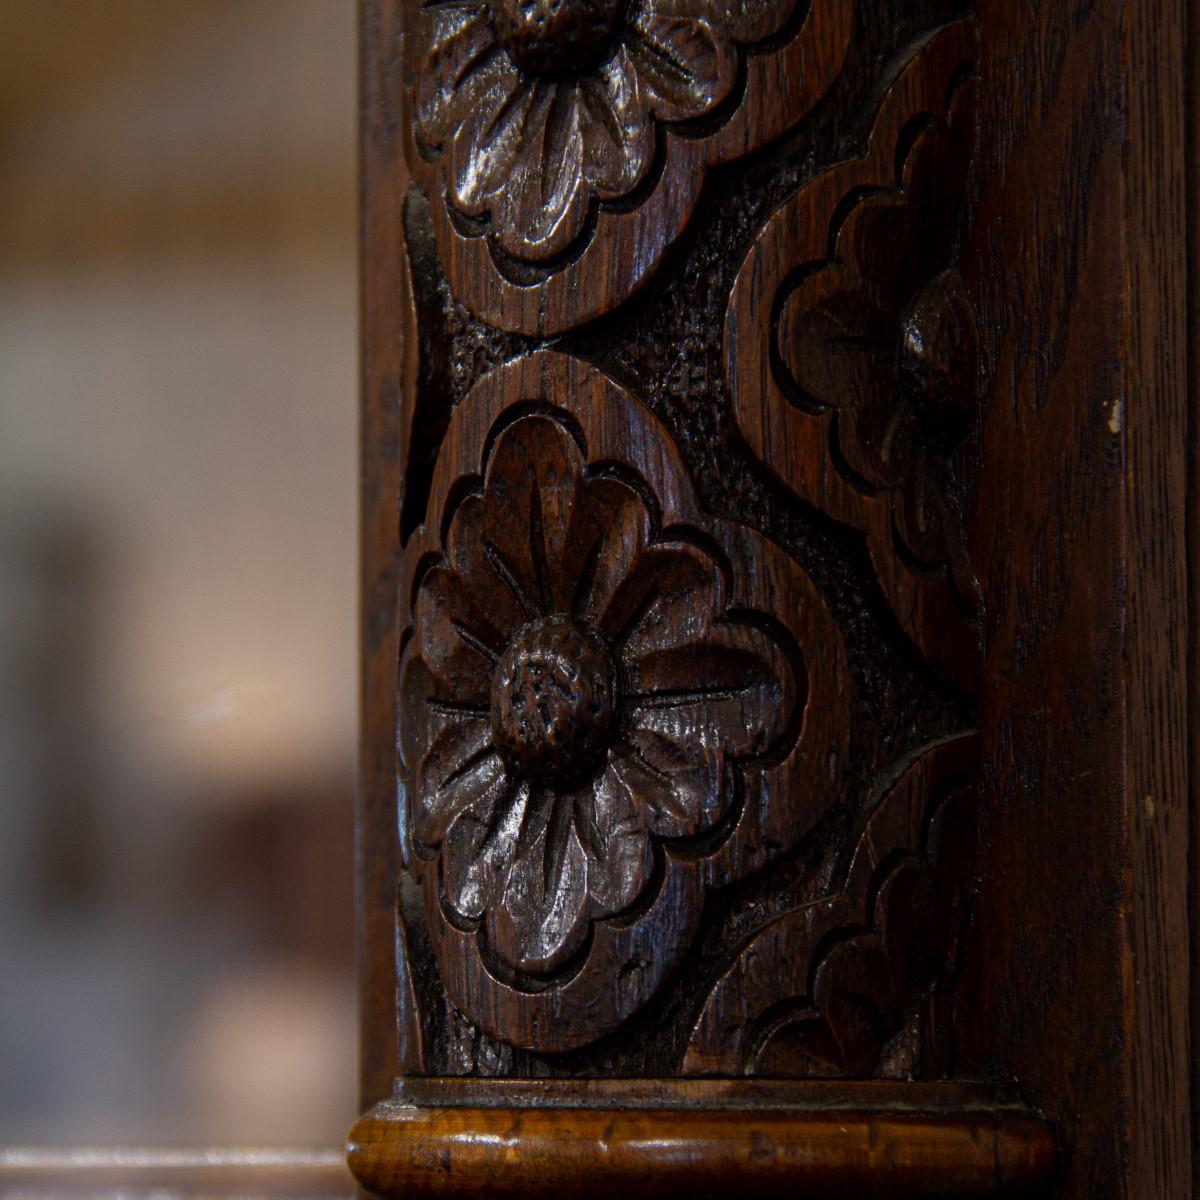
{"points": [[599, 705], [829, 987], [775, 627], [574, 135], [388, 374], [1077, 256], [851, 351]]}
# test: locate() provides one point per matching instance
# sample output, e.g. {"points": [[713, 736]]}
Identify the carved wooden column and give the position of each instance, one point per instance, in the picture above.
{"points": [[774, 625]]}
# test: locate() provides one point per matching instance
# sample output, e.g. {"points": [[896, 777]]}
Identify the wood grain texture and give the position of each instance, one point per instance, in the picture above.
{"points": [[1192, 233], [1156, 425], [603, 691], [388, 350], [786, 544], [886, 1145], [1083, 439], [856, 982], [850, 347], [550, 847]]}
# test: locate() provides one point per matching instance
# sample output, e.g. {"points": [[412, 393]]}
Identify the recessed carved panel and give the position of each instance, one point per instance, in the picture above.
{"points": [[563, 143], [642, 744], [612, 704]]}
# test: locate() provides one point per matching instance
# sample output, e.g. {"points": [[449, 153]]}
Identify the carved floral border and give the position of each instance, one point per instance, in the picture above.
{"points": [[641, 873]]}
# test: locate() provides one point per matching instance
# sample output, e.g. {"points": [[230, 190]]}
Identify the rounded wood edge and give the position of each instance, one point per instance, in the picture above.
{"points": [[400, 1149]]}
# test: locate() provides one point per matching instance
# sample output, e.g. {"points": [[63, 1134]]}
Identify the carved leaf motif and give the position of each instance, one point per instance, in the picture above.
{"points": [[605, 698], [866, 379], [527, 113], [846, 986]]}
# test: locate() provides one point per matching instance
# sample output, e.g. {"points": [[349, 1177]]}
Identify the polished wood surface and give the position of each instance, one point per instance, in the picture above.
{"points": [[648, 777], [891, 1141], [1077, 260], [775, 474], [523, 145]]}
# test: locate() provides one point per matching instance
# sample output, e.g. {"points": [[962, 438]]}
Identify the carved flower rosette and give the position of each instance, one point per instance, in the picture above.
{"points": [[563, 143], [611, 704]]}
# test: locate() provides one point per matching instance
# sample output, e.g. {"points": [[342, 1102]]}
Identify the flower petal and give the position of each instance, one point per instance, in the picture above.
{"points": [[695, 706], [477, 568], [609, 528], [459, 772], [429, 728], [877, 440], [610, 818], [479, 851], [489, 141], [840, 348], [668, 595], [924, 519], [531, 492], [541, 920], [416, 687], [731, 686], [543, 206], [748, 21], [744, 21], [684, 64], [618, 135], [682, 793], [721, 701], [457, 641], [460, 59]]}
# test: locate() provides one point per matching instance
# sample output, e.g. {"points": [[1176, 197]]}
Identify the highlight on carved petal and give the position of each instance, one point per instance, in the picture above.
{"points": [[579, 688], [540, 106]]}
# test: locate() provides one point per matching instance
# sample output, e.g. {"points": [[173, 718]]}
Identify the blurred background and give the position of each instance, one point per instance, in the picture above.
{"points": [[177, 570]]}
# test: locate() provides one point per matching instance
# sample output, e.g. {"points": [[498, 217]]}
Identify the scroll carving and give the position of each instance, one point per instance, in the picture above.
{"points": [[613, 705], [563, 146], [851, 348]]}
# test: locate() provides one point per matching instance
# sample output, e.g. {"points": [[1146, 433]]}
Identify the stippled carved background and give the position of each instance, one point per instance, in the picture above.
{"points": [[688, 630]]}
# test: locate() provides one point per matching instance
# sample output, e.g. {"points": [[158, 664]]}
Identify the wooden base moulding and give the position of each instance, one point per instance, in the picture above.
{"points": [[802, 1141]]}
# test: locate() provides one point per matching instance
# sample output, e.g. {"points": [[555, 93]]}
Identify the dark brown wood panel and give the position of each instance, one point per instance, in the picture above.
{"points": [[1077, 530], [387, 349], [775, 622], [1156, 347], [1191, 100], [729, 768]]}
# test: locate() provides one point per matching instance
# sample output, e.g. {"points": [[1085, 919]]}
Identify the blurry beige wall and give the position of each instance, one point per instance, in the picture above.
{"points": [[177, 568]]}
